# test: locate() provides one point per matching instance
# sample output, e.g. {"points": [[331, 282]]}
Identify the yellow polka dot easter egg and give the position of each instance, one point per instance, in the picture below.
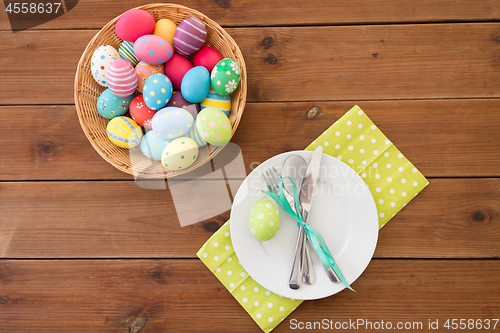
{"points": [[264, 220], [179, 154], [124, 132]]}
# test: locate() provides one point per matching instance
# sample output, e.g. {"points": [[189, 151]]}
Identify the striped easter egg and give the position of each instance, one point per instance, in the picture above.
{"points": [[126, 51], [121, 77], [215, 100], [190, 36], [196, 136], [124, 132]]}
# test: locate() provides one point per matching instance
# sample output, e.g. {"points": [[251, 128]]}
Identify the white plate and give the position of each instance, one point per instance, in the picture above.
{"points": [[343, 211]]}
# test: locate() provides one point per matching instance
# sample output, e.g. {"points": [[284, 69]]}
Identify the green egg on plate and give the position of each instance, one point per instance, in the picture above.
{"points": [[264, 220]]}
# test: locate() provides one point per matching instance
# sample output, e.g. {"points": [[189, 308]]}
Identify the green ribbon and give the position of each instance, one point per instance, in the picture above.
{"points": [[315, 237]]}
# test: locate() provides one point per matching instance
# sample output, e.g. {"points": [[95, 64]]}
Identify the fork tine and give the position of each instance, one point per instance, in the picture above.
{"points": [[273, 180], [268, 183]]}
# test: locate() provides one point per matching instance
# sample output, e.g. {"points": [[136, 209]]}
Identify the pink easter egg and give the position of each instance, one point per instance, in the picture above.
{"points": [[190, 36], [144, 71], [176, 68], [153, 49], [178, 101], [134, 24], [207, 57], [121, 78]]}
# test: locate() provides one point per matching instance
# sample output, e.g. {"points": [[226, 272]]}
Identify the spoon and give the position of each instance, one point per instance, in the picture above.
{"points": [[295, 168]]}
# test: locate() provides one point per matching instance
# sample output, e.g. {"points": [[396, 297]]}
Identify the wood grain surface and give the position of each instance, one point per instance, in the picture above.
{"points": [[292, 12], [83, 248], [295, 63], [120, 219], [443, 138], [183, 296]]}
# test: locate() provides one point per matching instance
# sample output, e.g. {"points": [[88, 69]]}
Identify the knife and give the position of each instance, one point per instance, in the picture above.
{"points": [[306, 196]]}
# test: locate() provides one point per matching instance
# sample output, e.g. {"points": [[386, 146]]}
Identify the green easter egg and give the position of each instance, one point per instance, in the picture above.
{"points": [[179, 154], [264, 220], [214, 126], [225, 76]]}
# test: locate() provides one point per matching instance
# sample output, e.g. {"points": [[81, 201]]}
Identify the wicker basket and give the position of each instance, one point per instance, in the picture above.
{"points": [[87, 91]]}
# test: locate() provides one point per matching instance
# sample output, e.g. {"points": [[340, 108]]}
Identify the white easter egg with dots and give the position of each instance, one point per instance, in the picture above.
{"points": [[102, 58]]}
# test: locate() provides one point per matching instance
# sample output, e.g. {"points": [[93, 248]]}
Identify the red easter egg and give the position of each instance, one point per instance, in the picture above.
{"points": [[176, 68], [140, 112], [134, 24], [178, 101], [207, 57]]}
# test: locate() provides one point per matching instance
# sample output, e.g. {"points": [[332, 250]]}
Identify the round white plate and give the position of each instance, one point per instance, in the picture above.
{"points": [[343, 211]]}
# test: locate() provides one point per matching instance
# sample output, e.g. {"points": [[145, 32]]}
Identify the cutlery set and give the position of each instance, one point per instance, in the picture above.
{"points": [[305, 177]]}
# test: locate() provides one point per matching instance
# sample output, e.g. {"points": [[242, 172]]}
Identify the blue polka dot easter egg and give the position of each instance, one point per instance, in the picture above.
{"points": [[109, 105], [157, 91], [152, 145], [172, 122], [264, 220]]}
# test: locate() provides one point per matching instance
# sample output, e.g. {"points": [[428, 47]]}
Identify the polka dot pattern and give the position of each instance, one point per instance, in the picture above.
{"points": [[353, 129], [392, 179], [266, 308]]}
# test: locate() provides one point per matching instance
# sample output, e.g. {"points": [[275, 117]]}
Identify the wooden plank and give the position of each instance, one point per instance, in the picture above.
{"points": [[121, 220], [292, 12], [183, 296], [443, 138], [294, 64]]}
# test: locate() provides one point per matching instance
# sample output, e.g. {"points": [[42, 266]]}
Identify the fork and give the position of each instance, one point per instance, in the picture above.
{"points": [[272, 178]]}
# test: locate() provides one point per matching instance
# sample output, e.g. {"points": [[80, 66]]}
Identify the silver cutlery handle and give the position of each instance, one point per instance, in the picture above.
{"points": [[308, 275], [329, 271], [297, 268]]}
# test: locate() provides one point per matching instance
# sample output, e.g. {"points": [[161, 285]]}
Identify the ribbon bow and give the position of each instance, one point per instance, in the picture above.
{"points": [[316, 240]]}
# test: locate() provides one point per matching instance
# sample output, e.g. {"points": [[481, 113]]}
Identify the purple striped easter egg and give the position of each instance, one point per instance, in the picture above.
{"points": [[190, 36], [121, 77]]}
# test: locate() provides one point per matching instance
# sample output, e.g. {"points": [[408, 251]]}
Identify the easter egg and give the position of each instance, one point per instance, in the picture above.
{"points": [[134, 24], [225, 76], [140, 112], [153, 49], [144, 71], [214, 126], [102, 58], [121, 77], [179, 154], [190, 36], [178, 101], [196, 136], [207, 57], [176, 68], [165, 28], [124, 132], [215, 100], [196, 84], [126, 51], [264, 220], [157, 91], [172, 122], [109, 105], [152, 145]]}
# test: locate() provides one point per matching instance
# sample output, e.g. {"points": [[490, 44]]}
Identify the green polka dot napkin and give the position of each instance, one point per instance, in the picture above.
{"points": [[393, 182]]}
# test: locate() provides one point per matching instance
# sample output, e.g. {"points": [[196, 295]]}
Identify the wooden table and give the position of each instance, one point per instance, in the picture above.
{"points": [[83, 249]]}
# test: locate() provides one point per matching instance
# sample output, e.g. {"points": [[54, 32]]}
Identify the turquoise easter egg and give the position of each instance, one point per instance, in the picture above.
{"points": [[264, 220], [109, 105], [172, 122], [157, 91], [152, 145], [195, 85]]}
